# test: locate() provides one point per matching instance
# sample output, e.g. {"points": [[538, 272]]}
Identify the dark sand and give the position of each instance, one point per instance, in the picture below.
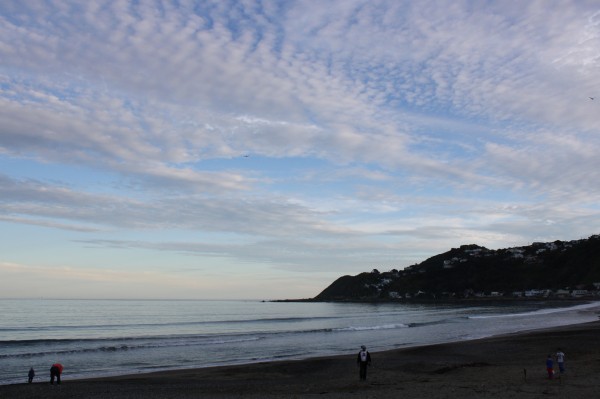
{"points": [[486, 368]]}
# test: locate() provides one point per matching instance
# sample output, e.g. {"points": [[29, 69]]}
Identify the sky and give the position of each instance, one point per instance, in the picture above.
{"points": [[262, 149]]}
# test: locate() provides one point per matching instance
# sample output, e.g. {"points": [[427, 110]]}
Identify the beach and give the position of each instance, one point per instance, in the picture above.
{"points": [[508, 366]]}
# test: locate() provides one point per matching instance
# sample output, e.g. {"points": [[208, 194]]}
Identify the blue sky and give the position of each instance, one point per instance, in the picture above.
{"points": [[261, 149]]}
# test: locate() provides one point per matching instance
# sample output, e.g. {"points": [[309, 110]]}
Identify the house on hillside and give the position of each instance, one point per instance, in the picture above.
{"points": [[580, 293], [537, 293]]}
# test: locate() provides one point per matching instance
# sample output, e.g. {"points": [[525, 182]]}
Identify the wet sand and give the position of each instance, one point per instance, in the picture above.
{"points": [[510, 366]]}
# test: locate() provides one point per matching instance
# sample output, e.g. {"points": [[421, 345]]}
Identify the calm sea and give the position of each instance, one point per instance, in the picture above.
{"points": [[112, 337]]}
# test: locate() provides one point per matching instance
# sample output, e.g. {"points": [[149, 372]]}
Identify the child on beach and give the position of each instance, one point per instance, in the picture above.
{"points": [[550, 366]]}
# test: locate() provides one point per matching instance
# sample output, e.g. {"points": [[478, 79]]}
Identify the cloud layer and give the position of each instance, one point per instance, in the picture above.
{"points": [[298, 137]]}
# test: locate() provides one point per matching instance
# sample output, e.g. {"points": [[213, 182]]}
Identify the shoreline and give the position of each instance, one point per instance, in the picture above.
{"points": [[508, 365], [449, 300]]}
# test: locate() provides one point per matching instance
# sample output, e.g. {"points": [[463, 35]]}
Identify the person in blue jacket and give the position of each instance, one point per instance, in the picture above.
{"points": [[550, 366]]}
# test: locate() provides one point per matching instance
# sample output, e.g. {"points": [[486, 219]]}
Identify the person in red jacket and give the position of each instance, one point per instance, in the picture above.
{"points": [[55, 371]]}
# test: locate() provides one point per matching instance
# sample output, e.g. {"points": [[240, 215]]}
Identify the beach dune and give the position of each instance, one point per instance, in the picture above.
{"points": [[509, 366]]}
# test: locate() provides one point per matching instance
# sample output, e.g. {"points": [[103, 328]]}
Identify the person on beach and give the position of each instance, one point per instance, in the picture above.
{"points": [[560, 359], [550, 367], [55, 371], [31, 375], [363, 360]]}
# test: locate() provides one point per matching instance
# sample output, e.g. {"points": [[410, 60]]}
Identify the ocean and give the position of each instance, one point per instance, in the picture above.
{"points": [[96, 338]]}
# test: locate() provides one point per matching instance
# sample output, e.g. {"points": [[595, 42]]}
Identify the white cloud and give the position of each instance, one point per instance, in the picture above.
{"points": [[372, 128]]}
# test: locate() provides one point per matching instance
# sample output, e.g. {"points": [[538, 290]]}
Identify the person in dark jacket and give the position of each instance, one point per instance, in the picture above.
{"points": [[31, 374], [363, 360], [55, 371]]}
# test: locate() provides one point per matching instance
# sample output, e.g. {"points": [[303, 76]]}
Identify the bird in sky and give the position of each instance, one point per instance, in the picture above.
{"points": [[591, 98]]}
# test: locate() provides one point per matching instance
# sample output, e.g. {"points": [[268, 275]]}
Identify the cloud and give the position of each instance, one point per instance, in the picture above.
{"points": [[557, 167], [265, 216], [348, 92], [313, 136]]}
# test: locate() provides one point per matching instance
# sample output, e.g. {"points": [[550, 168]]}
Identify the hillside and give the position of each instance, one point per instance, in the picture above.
{"points": [[555, 268]]}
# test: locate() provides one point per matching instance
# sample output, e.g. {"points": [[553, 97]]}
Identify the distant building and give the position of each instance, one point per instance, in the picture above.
{"points": [[537, 293], [579, 293]]}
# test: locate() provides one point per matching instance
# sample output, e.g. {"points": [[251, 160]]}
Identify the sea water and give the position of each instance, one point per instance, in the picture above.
{"points": [[94, 338]]}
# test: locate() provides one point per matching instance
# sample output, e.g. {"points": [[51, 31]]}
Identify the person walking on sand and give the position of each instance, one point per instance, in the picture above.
{"points": [[550, 367], [560, 359], [55, 371], [31, 374], [363, 360]]}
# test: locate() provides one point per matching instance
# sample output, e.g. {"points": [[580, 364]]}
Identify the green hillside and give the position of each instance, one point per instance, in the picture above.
{"points": [[558, 268]]}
